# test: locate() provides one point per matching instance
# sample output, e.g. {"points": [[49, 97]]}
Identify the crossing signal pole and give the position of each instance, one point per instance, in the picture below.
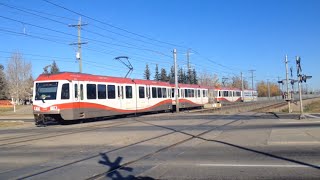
{"points": [[288, 99], [301, 78], [79, 43]]}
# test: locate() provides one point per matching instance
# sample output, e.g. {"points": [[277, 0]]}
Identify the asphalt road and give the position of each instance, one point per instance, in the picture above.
{"points": [[245, 146]]}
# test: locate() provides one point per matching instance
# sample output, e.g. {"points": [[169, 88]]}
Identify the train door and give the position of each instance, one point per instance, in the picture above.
{"points": [[120, 96], [141, 97], [77, 97], [130, 99]]}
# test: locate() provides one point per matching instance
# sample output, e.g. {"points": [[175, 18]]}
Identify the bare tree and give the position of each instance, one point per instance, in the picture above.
{"points": [[236, 83], [18, 77], [3, 84], [207, 79]]}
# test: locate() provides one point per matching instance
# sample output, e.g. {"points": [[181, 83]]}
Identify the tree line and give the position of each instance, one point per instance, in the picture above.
{"points": [[186, 77]]}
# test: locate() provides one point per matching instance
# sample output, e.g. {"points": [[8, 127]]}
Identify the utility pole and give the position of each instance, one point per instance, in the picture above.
{"points": [[241, 86], [188, 58], [176, 79], [287, 82], [188, 66], [79, 43], [224, 80], [252, 70], [268, 88]]}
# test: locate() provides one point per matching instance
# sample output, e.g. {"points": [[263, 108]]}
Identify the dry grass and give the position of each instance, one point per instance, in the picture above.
{"points": [[10, 124], [7, 109], [313, 107]]}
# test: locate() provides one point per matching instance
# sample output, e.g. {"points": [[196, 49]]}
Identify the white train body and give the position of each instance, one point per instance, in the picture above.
{"points": [[234, 95], [72, 96]]}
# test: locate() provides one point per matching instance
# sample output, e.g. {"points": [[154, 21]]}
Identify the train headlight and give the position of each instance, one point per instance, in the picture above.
{"points": [[53, 108], [36, 108]]}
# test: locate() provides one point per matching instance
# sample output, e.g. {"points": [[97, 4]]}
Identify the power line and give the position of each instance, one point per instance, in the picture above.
{"points": [[60, 32], [107, 24], [37, 15]]}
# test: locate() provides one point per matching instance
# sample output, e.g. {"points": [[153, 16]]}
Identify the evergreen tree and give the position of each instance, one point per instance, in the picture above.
{"points": [[195, 78], [147, 74], [171, 75], [163, 75], [180, 76], [156, 74], [45, 70], [184, 78], [54, 68], [3, 84], [189, 77]]}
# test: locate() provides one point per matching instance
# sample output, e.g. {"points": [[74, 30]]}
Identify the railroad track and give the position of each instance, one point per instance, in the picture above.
{"points": [[37, 136], [173, 131]]}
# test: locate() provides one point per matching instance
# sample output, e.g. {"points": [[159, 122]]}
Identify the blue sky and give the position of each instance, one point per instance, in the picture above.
{"points": [[226, 37]]}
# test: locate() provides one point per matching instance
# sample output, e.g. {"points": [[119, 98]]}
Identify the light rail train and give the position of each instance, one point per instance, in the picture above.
{"points": [[73, 96]]}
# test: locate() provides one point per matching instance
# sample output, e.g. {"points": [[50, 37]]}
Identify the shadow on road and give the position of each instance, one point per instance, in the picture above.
{"points": [[115, 168]]}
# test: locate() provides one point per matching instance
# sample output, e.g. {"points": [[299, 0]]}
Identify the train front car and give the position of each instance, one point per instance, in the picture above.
{"points": [[48, 93]]}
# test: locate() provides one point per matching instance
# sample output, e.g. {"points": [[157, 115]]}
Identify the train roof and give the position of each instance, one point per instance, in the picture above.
{"points": [[75, 76]]}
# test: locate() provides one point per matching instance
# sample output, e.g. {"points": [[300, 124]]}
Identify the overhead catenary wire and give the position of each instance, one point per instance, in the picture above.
{"points": [[113, 44], [90, 39], [107, 24]]}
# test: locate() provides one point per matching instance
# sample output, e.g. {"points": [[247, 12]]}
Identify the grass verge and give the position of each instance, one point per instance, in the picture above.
{"points": [[314, 107], [10, 124]]}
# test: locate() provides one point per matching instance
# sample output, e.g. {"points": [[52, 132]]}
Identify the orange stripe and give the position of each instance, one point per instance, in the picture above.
{"points": [[188, 101], [74, 105]]}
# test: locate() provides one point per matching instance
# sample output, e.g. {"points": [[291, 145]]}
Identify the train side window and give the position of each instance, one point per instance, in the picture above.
{"points": [[154, 92], [112, 91], [199, 95], [172, 92], [81, 91], [65, 93], [91, 91], [164, 92], [76, 90], [141, 92], [159, 92], [102, 91], [129, 92]]}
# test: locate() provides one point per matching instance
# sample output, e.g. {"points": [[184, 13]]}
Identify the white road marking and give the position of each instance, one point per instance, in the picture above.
{"points": [[299, 122], [254, 165]]}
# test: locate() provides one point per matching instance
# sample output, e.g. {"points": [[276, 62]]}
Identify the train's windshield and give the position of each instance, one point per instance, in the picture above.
{"points": [[46, 91]]}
